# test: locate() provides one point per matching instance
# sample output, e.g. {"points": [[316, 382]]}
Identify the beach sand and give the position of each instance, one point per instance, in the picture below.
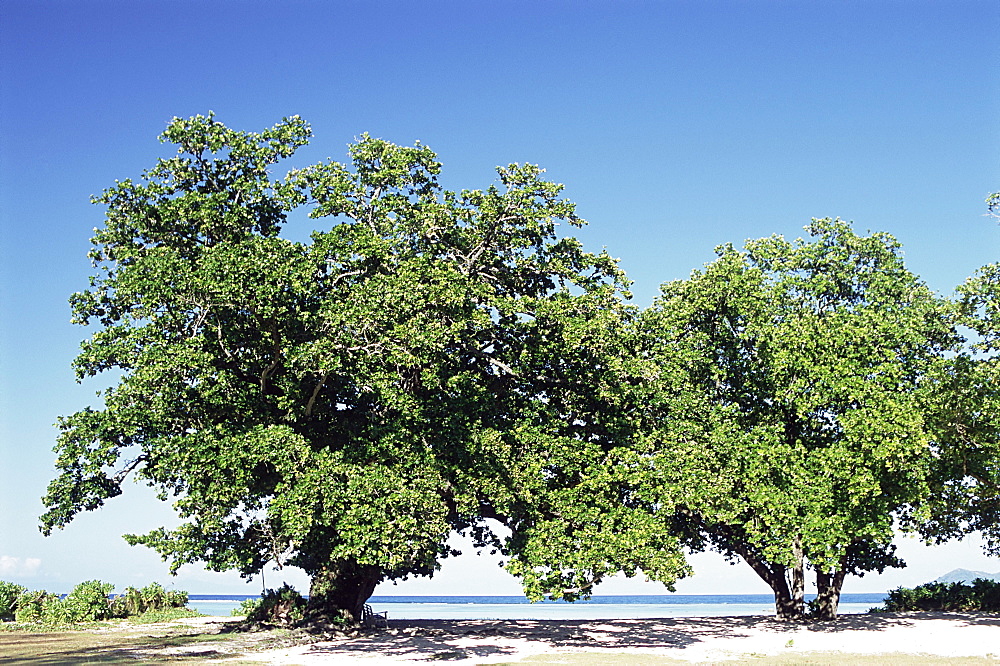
{"points": [[697, 640]]}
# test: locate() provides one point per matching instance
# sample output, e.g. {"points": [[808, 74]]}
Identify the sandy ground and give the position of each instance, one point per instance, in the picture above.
{"points": [[689, 639]]}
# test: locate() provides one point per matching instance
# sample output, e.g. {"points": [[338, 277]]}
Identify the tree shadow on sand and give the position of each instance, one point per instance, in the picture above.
{"points": [[452, 639]]}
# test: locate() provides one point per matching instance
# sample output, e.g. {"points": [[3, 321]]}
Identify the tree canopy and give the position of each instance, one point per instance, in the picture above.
{"points": [[431, 360], [787, 426], [342, 404], [966, 477]]}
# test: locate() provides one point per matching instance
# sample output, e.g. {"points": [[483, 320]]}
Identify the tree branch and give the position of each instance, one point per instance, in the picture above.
{"points": [[315, 393]]}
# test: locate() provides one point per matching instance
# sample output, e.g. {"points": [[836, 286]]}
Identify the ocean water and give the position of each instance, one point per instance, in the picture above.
{"points": [[598, 607]]}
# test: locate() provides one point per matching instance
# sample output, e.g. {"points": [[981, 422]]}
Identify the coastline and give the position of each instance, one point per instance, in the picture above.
{"points": [[484, 607]]}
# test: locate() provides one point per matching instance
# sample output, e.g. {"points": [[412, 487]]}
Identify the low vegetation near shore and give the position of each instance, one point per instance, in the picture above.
{"points": [[90, 601], [147, 625], [980, 595]]}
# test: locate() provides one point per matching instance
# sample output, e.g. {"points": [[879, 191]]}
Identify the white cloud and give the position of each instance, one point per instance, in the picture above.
{"points": [[17, 566]]}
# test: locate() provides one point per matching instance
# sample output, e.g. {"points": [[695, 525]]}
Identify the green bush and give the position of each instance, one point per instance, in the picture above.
{"points": [[981, 595], [88, 602], [35, 606], [128, 603], [9, 592], [176, 599], [282, 606], [247, 607], [154, 597], [151, 598]]}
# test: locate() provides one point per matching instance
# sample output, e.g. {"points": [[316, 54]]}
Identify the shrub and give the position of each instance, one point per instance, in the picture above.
{"points": [[282, 606], [151, 598], [176, 599], [247, 607], [981, 595], [128, 603], [88, 602], [35, 606], [9, 592], [165, 615]]}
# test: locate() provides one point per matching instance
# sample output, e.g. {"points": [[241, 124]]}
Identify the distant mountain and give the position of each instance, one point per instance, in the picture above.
{"points": [[966, 576]]}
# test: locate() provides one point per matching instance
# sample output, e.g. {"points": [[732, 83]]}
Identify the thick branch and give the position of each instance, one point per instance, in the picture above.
{"points": [[315, 393]]}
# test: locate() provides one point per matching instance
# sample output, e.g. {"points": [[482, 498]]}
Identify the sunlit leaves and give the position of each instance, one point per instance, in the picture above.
{"points": [[966, 402], [790, 379], [339, 404]]}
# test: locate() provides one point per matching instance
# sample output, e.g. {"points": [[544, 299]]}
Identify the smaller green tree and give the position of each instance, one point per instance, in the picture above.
{"points": [[573, 511], [787, 426], [966, 467]]}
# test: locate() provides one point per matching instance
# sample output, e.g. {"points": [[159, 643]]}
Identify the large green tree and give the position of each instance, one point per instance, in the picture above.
{"points": [[787, 417], [341, 404]]}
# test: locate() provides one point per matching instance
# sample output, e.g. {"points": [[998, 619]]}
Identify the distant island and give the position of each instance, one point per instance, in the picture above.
{"points": [[966, 576]]}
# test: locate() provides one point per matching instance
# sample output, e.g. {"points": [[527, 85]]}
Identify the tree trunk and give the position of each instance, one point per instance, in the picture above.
{"points": [[788, 583], [796, 576], [828, 586], [341, 590], [787, 606]]}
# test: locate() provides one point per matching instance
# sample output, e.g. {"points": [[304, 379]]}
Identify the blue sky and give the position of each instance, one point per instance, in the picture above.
{"points": [[676, 126]]}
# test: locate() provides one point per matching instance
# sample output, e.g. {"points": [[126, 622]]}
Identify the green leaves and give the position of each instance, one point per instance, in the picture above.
{"points": [[432, 359], [340, 404], [966, 403], [790, 407]]}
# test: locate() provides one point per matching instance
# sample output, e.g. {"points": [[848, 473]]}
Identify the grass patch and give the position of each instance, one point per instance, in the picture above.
{"points": [[79, 647], [165, 615], [125, 642]]}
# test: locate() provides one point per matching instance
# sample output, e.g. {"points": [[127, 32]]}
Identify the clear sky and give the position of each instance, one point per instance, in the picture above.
{"points": [[676, 126]]}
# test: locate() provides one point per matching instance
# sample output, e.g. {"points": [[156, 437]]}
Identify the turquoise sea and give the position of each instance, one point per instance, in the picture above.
{"points": [[598, 607]]}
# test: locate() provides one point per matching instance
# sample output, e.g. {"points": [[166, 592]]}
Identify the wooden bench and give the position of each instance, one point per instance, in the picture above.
{"points": [[372, 620]]}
